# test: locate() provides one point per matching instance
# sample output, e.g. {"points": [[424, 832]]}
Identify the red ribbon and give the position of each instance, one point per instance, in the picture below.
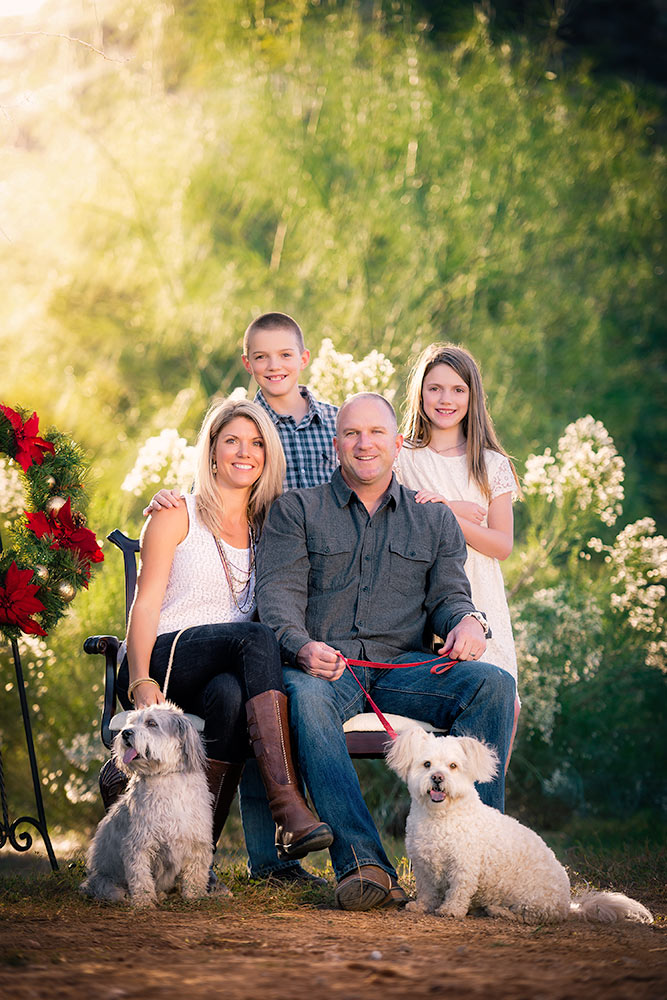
{"points": [[440, 666]]}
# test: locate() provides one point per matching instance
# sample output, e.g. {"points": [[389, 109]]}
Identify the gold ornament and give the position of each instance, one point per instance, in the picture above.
{"points": [[66, 591], [41, 572], [54, 504], [50, 481]]}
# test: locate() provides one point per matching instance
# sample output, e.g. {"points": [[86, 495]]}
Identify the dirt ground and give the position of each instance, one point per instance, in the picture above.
{"points": [[59, 946]]}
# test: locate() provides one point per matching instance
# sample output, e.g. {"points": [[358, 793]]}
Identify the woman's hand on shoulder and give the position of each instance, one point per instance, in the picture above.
{"points": [[163, 500]]}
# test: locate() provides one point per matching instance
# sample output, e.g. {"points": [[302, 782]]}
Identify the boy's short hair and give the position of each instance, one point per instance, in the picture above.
{"points": [[274, 321]]}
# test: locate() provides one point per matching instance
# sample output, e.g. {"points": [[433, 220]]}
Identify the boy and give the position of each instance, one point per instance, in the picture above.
{"points": [[274, 353]]}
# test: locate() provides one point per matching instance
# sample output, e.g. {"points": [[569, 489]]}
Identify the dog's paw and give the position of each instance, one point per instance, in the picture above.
{"points": [[143, 901], [451, 910], [414, 906]]}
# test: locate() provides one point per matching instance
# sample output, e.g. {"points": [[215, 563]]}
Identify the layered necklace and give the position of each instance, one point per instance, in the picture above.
{"points": [[239, 578]]}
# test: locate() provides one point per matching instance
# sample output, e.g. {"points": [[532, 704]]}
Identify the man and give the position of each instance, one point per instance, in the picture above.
{"points": [[356, 568]]}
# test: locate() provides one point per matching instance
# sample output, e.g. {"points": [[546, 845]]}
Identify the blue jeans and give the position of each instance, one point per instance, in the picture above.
{"points": [[471, 699]]}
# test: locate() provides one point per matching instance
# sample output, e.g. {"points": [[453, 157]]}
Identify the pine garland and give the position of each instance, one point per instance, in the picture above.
{"points": [[50, 553]]}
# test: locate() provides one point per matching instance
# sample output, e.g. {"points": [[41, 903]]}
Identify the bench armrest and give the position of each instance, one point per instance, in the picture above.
{"points": [[106, 646]]}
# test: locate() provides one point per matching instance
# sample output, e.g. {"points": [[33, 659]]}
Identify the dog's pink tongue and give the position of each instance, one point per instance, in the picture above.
{"points": [[129, 755], [436, 796]]}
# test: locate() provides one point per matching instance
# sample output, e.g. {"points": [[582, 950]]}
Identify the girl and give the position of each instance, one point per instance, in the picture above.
{"points": [[452, 455], [198, 572]]}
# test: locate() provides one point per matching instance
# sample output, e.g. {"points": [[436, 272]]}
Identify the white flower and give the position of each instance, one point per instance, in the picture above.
{"points": [[166, 459], [586, 473], [637, 562], [334, 376]]}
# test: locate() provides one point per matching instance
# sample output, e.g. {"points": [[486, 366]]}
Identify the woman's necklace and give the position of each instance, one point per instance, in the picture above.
{"points": [[245, 575]]}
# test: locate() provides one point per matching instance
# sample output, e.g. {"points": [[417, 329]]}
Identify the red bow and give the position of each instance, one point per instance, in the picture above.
{"points": [[66, 535], [30, 449], [18, 601]]}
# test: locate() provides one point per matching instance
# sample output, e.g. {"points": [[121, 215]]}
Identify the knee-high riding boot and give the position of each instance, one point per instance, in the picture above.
{"points": [[297, 831], [223, 780], [112, 783]]}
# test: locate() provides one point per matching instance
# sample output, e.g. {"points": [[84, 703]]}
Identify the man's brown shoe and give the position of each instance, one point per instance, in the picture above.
{"points": [[368, 887]]}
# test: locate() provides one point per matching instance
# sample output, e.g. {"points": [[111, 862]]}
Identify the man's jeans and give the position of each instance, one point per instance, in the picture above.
{"points": [[471, 699]]}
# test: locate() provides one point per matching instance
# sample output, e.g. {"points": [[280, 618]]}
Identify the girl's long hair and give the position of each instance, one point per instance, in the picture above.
{"points": [[268, 486], [477, 425]]}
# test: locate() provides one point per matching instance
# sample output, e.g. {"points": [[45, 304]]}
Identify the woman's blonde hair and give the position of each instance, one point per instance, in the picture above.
{"points": [[268, 486], [477, 424]]}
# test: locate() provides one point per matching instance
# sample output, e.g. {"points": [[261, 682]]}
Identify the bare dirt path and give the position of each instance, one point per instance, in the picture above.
{"points": [[69, 949]]}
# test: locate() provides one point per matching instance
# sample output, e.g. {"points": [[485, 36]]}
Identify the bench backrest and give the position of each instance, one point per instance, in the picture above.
{"points": [[129, 547]]}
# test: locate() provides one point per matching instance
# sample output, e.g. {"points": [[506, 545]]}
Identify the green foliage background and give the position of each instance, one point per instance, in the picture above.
{"points": [[171, 170]]}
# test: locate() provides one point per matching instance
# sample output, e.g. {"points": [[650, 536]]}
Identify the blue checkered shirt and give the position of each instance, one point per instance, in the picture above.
{"points": [[308, 445]]}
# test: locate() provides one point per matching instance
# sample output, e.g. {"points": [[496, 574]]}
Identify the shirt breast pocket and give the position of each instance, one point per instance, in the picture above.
{"points": [[329, 563], [409, 563]]}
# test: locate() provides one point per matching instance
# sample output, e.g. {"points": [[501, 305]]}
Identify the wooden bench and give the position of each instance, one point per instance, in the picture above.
{"points": [[364, 734]]}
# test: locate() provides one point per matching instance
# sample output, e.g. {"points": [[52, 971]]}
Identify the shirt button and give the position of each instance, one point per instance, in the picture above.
{"points": [[367, 558], [365, 590], [360, 624]]}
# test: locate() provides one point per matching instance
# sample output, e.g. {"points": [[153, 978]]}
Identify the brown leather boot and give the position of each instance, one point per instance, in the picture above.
{"points": [[112, 783], [297, 831], [223, 780]]}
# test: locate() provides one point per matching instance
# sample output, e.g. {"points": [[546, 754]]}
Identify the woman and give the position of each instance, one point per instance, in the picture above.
{"points": [[197, 572]]}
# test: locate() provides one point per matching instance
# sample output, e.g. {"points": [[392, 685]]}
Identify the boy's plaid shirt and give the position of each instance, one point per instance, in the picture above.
{"points": [[308, 446]]}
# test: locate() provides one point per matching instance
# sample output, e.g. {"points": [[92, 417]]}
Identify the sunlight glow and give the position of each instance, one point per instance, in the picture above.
{"points": [[18, 8]]}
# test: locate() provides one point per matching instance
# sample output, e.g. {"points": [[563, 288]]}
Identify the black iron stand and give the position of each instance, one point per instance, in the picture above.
{"points": [[23, 840]]}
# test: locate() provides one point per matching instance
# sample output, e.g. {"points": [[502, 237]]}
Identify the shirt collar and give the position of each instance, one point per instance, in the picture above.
{"points": [[343, 492], [315, 409]]}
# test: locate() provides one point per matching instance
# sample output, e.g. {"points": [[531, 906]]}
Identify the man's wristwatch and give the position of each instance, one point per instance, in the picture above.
{"points": [[478, 616]]}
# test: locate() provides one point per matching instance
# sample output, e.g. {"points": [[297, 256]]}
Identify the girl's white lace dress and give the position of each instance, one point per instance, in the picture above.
{"points": [[424, 469]]}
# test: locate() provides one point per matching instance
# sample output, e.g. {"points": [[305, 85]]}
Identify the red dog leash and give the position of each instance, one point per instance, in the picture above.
{"points": [[440, 666]]}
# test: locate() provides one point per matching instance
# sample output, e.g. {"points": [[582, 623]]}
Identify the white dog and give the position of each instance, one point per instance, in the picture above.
{"points": [[160, 828], [468, 856]]}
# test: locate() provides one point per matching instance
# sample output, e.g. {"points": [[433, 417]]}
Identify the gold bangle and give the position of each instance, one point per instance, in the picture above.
{"points": [[135, 684]]}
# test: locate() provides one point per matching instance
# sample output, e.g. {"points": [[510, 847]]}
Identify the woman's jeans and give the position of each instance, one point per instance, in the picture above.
{"points": [[471, 699], [216, 670]]}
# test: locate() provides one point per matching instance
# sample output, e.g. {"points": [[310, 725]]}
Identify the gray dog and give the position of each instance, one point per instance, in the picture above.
{"points": [[159, 830]]}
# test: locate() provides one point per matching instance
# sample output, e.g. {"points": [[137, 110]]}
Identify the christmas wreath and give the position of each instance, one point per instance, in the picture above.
{"points": [[51, 552]]}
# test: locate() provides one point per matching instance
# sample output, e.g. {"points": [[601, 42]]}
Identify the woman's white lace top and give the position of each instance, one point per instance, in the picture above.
{"points": [[424, 469], [197, 590]]}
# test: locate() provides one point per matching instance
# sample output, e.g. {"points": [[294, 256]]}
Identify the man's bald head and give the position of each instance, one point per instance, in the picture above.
{"points": [[367, 396]]}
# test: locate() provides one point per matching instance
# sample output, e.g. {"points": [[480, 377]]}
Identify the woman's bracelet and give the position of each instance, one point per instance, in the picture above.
{"points": [[135, 684]]}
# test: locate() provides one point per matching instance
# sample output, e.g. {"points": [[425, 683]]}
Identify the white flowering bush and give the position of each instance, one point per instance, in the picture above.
{"points": [[334, 376], [589, 624], [634, 567], [585, 475], [166, 459], [558, 637]]}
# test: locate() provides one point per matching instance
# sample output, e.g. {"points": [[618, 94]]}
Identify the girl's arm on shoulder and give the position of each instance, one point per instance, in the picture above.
{"points": [[162, 533], [496, 540]]}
